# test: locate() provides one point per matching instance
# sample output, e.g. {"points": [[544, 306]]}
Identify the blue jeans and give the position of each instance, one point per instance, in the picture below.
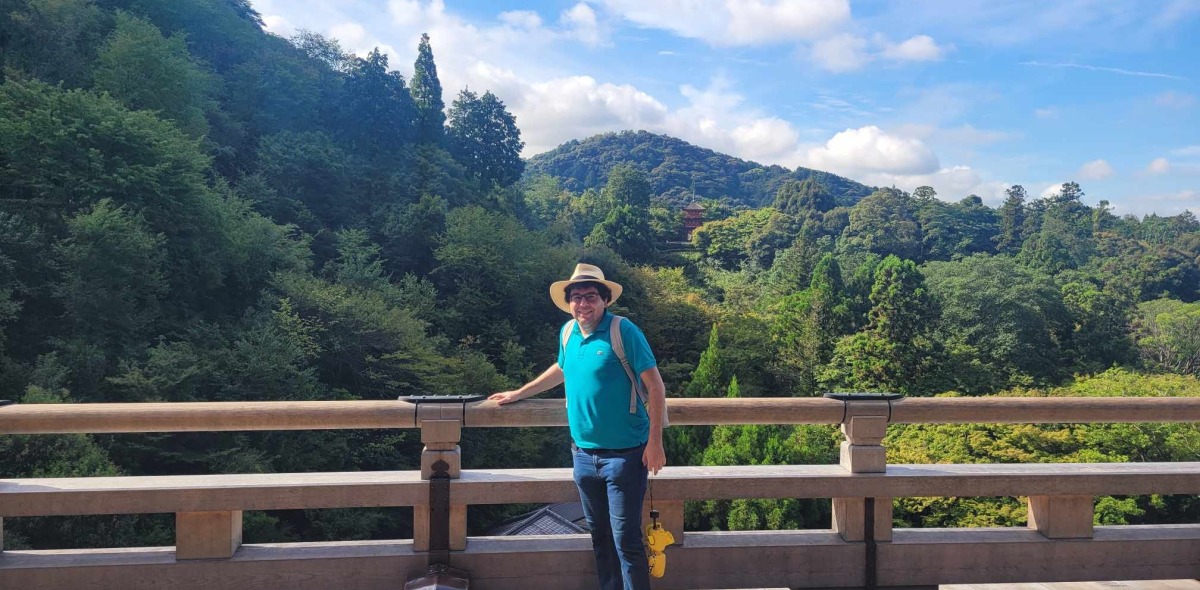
{"points": [[612, 486]]}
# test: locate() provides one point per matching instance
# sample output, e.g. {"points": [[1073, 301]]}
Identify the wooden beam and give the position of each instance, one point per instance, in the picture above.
{"points": [[793, 559], [849, 519], [205, 416], [195, 493], [323, 415], [207, 535], [1040, 410], [199, 493], [1061, 517]]}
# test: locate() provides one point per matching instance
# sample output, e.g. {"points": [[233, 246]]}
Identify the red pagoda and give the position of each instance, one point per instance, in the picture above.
{"points": [[693, 217]]}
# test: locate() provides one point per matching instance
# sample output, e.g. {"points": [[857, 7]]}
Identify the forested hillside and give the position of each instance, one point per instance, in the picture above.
{"points": [[194, 209], [677, 169]]}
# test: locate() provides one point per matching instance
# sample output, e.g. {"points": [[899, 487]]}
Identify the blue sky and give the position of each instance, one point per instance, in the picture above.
{"points": [[968, 96]]}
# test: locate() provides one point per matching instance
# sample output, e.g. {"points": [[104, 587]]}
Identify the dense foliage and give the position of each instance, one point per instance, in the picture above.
{"points": [[258, 218]]}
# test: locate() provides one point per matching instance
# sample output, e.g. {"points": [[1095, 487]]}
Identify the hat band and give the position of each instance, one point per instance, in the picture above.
{"points": [[581, 277]]}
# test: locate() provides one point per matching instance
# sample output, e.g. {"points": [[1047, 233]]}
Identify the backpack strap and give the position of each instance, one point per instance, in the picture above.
{"points": [[563, 337], [637, 392]]}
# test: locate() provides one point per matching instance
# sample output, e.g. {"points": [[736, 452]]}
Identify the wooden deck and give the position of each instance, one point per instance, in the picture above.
{"points": [[1134, 585]]}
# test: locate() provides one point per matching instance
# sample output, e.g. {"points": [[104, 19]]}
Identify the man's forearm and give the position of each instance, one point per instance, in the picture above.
{"points": [[656, 402], [549, 379]]}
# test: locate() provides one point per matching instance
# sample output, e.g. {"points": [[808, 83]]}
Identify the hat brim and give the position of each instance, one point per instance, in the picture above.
{"points": [[558, 291]]}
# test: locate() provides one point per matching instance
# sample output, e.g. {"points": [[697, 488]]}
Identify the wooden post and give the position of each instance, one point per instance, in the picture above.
{"points": [[1, 535], [441, 444], [207, 535], [1061, 517], [862, 452]]}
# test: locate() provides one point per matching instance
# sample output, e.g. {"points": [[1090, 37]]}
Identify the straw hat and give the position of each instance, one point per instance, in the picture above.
{"points": [[583, 273]]}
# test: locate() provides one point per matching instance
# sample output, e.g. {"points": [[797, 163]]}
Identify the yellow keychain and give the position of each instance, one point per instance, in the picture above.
{"points": [[657, 539]]}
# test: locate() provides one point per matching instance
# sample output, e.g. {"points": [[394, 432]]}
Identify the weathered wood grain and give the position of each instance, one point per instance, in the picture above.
{"points": [[197, 493]]}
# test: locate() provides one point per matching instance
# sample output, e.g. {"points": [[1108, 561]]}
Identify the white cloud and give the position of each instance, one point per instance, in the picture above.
{"points": [[870, 150], [580, 21], [1095, 170], [1175, 100], [841, 53], [521, 19], [561, 109], [1052, 190], [1191, 150], [741, 22], [1046, 113], [1158, 166], [278, 24], [918, 48], [952, 184]]}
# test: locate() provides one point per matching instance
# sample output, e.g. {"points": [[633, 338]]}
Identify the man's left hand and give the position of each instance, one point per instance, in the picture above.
{"points": [[654, 457]]}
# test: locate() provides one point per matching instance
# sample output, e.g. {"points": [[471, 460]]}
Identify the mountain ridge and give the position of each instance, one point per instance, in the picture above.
{"points": [[676, 168]]}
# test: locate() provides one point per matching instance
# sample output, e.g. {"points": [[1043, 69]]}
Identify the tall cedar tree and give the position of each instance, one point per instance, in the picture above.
{"points": [[483, 136], [427, 94]]}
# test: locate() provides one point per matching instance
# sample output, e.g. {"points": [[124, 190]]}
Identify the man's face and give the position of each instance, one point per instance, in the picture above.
{"points": [[587, 306]]}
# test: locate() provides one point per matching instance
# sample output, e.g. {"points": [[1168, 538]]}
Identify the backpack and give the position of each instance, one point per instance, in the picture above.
{"points": [[636, 390]]}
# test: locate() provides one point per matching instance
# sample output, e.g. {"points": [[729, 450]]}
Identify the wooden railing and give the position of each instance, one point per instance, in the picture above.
{"points": [[1060, 543]]}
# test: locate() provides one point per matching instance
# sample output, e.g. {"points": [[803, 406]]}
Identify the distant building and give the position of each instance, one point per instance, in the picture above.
{"points": [[555, 519], [693, 217]]}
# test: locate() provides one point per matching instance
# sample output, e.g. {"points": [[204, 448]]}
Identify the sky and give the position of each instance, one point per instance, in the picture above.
{"points": [[966, 96]]}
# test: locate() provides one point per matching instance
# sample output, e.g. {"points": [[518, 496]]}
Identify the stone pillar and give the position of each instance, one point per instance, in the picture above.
{"points": [[207, 535], [441, 438], [1061, 517], [862, 452]]}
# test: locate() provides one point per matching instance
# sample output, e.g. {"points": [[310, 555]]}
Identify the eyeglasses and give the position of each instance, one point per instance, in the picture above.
{"points": [[591, 298]]}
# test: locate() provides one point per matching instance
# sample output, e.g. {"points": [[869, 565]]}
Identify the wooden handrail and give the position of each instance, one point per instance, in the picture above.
{"points": [[328, 415]]}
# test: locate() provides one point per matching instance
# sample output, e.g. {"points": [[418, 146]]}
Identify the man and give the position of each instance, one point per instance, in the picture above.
{"points": [[617, 441]]}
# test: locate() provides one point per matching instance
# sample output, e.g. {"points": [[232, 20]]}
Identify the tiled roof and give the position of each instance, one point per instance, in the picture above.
{"points": [[554, 519]]}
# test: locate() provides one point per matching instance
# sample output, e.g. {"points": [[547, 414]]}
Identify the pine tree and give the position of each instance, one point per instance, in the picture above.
{"points": [[708, 378], [427, 93]]}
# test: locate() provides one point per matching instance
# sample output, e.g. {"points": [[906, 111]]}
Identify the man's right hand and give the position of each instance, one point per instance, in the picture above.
{"points": [[505, 397]]}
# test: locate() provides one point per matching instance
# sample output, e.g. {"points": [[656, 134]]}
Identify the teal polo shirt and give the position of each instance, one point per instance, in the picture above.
{"points": [[598, 389]]}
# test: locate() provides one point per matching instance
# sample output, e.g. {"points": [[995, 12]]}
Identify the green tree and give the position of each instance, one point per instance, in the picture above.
{"points": [[883, 224], [1012, 218], [308, 173], [1100, 319], [1168, 335], [708, 380], [113, 279], [147, 71], [483, 136], [378, 114], [803, 199], [626, 230], [896, 351], [627, 186], [1002, 323], [54, 41], [427, 94]]}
